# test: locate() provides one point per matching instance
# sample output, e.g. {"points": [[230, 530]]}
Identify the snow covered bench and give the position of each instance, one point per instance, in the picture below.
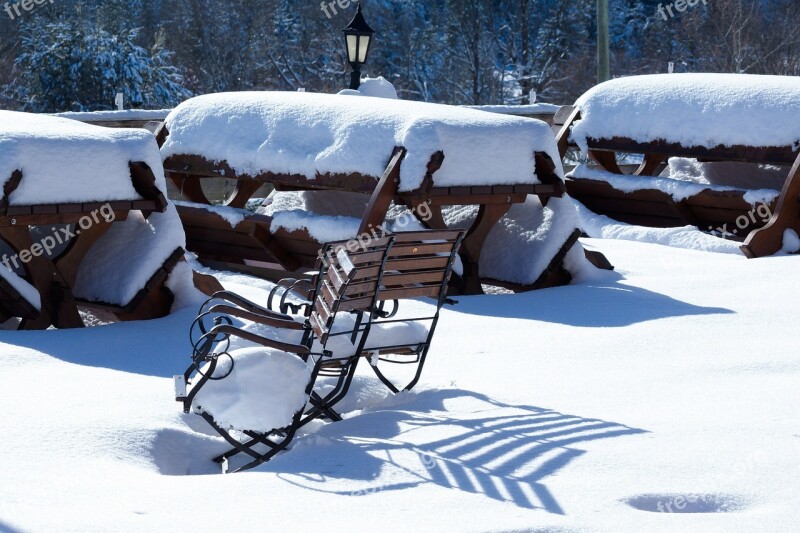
{"points": [[84, 219], [406, 153], [735, 128]]}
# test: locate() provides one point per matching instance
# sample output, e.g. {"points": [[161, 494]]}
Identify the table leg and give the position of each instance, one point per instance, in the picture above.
{"points": [[488, 216], [189, 187], [606, 160], [245, 189]]}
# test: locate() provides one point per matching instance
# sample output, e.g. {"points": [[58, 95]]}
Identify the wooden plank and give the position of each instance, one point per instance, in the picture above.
{"points": [[383, 194], [777, 155]]}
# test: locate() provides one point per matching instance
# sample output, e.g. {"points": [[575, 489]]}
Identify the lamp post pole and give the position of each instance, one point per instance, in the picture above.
{"points": [[603, 63]]}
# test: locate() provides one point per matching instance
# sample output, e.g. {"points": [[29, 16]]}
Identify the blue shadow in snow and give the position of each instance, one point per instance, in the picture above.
{"points": [[5, 528], [151, 348], [505, 453], [585, 305]]}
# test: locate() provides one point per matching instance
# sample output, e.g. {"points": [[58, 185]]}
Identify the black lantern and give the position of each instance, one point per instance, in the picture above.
{"points": [[357, 38]]}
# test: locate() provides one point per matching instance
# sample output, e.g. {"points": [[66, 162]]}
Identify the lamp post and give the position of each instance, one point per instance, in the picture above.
{"points": [[603, 64], [357, 38]]}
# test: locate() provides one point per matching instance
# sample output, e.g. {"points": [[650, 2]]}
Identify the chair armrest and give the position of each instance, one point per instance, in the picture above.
{"points": [[284, 288], [244, 303], [273, 320], [225, 329]]}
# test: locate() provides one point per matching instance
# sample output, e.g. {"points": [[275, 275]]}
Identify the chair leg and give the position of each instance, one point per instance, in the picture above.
{"points": [[411, 384]]}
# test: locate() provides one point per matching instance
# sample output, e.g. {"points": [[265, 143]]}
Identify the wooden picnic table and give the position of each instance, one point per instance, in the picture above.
{"points": [[709, 208], [187, 173], [54, 276]]}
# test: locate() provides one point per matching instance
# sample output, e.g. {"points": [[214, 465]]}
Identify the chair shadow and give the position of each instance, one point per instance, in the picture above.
{"points": [[505, 453], [609, 304]]}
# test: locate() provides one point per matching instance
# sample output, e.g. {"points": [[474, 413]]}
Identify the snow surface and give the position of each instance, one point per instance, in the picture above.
{"points": [[64, 161], [262, 392], [124, 259], [706, 110], [307, 133], [579, 408], [679, 189]]}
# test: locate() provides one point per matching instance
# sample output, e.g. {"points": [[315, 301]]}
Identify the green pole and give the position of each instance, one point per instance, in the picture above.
{"points": [[603, 64]]}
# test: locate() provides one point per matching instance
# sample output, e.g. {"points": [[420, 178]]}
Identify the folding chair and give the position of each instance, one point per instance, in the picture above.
{"points": [[345, 283], [420, 265]]}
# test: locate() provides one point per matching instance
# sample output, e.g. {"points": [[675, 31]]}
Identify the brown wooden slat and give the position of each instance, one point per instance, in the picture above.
{"points": [[779, 155], [427, 263], [391, 279], [420, 249], [410, 292]]}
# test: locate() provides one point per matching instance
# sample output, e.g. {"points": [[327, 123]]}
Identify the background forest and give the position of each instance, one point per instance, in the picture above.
{"points": [[76, 54]]}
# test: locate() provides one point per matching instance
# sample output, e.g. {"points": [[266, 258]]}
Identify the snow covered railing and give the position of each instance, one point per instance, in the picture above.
{"points": [[128, 118], [407, 153], [730, 128], [107, 232]]}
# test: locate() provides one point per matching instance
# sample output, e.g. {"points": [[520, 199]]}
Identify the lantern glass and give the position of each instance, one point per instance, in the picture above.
{"points": [[352, 48], [363, 48]]}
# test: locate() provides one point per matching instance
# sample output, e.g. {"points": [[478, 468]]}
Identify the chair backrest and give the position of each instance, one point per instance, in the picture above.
{"points": [[420, 264], [346, 281]]}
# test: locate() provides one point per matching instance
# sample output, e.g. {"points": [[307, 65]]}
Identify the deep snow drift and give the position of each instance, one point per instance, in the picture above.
{"points": [[668, 385]]}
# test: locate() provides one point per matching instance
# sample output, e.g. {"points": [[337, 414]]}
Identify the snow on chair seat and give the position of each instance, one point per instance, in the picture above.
{"points": [[712, 118], [251, 432], [408, 153], [81, 183]]}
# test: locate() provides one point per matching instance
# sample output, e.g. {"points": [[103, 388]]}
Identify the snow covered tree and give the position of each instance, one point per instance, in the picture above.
{"points": [[62, 67]]}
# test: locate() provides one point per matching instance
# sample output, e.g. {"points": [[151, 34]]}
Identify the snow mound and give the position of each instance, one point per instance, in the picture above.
{"points": [[264, 390], [377, 87], [688, 237], [64, 161], [705, 110], [308, 133], [123, 260], [522, 245]]}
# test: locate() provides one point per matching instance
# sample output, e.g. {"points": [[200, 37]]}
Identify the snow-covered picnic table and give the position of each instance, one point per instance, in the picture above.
{"points": [[418, 155], [82, 217], [715, 147]]}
